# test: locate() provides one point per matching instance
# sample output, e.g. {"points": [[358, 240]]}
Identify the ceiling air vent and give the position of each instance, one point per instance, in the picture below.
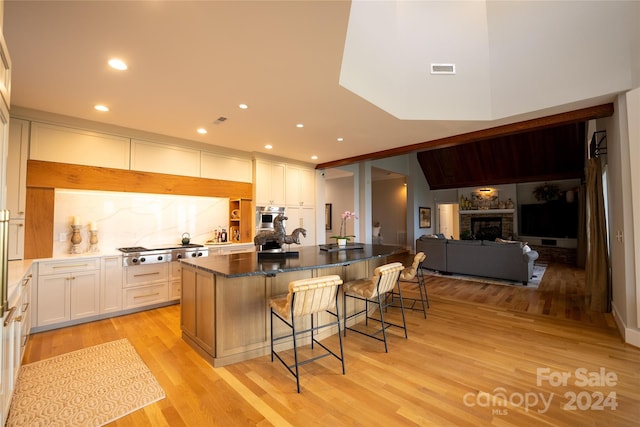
{"points": [[219, 120], [443, 68]]}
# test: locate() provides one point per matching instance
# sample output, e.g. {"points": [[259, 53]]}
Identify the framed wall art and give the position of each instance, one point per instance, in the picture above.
{"points": [[327, 216], [425, 217]]}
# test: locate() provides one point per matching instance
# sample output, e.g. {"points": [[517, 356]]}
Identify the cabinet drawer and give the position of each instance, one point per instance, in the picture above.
{"points": [[146, 274], [146, 295], [70, 266]]}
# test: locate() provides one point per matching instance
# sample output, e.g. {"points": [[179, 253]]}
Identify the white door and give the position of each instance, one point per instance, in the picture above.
{"points": [[449, 220]]}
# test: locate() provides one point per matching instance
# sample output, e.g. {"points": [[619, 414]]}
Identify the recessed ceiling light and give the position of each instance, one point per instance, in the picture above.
{"points": [[202, 131], [243, 106], [101, 107], [299, 125], [314, 157], [117, 64], [268, 146], [340, 139]]}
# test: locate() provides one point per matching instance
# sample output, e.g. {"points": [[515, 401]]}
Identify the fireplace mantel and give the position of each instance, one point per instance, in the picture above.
{"points": [[486, 211]]}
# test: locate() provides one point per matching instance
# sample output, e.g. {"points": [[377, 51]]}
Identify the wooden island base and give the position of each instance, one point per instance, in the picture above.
{"points": [[225, 313]]}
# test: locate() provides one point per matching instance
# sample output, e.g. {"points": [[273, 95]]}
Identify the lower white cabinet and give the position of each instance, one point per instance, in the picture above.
{"points": [[11, 352], [70, 294], [146, 285], [111, 284], [175, 280]]}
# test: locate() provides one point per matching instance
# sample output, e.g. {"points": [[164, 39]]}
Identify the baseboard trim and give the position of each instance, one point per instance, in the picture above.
{"points": [[629, 335]]}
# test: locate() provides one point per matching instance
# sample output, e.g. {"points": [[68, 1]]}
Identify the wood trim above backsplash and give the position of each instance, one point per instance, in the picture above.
{"points": [[62, 175]]}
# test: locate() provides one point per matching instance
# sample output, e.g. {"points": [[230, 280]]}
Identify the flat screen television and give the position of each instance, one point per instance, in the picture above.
{"points": [[552, 219]]}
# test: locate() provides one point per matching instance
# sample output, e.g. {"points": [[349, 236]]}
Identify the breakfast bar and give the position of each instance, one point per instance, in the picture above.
{"points": [[225, 298]]}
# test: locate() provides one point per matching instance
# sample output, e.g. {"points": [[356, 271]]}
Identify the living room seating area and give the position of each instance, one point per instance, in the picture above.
{"points": [[495, 259]]}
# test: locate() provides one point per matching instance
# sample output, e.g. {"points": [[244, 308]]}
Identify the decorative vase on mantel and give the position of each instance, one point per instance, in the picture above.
{"points": [[342, 243]]}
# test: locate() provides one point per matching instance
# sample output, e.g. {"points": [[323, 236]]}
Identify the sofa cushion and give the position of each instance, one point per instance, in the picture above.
{"points": [[465, 242]]}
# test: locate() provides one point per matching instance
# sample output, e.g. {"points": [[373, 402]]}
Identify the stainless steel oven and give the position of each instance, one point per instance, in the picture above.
{"points": [[265, 216]]}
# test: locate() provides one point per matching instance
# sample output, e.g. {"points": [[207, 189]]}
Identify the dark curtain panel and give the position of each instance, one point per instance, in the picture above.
{"points": [[581, 252], [597, 289]]}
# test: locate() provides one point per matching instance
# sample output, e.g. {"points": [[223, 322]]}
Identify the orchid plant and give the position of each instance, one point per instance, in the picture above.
{"points": [[346, 215]]}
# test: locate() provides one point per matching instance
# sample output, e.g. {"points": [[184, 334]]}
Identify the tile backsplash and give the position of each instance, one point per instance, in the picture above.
{"points": [[135, 219]]}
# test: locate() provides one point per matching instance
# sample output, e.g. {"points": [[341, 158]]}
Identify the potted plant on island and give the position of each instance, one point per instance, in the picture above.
{"points": [[343, 238]]}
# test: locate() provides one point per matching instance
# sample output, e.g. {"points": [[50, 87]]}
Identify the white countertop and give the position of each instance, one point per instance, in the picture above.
{"points": [[17, 270]]}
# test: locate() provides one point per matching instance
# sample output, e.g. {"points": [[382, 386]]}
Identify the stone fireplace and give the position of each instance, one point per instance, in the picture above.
{"points": [[487, 225]]}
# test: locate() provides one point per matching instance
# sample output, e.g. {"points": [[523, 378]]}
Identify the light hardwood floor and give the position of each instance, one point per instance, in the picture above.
{"points": [[472, 362]]}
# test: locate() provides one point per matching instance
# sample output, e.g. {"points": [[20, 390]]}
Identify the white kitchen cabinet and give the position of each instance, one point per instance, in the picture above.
{"points": [[25, 311], [302, 217], [68, 290], [217, 166], [10, 351], [235, 248], [145, 285], [111, 284], [166, 159], [62, 144], [5, 74], [16, 239], [4, 142], [300, 186], [17, 154], [269, 183], [175, 280]]}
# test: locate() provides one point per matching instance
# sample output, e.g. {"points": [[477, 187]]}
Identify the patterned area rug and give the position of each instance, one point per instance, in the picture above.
{"points": [[538, 272], [88, 387]]}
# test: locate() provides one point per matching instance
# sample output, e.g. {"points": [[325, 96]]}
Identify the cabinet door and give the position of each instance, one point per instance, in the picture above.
{"points": [[84, 294], [197, 308], [111, 284], [269, 183], [53, 299], [205, 314], [161, 158], [61, 144], [16, 239], [300, 186], [17, 167], [188, 302], [302, 217]]}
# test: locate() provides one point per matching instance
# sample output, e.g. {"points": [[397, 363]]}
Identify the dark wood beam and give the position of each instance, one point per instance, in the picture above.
{"points": [[584, 114]]}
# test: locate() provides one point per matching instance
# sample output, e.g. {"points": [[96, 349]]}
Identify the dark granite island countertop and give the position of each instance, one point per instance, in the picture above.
{"points": [[308, 257]]}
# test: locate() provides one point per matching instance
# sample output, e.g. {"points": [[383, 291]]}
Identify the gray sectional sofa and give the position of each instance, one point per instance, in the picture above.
{"points": [[478, 258]]}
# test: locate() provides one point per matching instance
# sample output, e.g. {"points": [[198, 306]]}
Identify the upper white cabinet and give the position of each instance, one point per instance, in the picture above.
{"points": [[161, 158], [216, 166], [5, 72], [17, 167], [300, 186], [61, 144], [269, 184]]}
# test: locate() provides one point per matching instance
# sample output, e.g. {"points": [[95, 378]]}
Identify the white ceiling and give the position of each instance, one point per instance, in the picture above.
{"points": [[192, 62]]}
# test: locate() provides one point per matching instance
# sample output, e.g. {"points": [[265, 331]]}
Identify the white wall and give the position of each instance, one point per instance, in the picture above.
{"points": [[340, 193], [389, 208], [623, 146]]}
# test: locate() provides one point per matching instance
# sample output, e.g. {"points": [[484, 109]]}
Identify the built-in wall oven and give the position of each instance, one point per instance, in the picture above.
{"points": [[264, 222], [265, 216]]}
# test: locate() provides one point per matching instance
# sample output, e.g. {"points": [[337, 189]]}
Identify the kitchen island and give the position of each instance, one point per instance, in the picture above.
{"points": [[225, 298]]}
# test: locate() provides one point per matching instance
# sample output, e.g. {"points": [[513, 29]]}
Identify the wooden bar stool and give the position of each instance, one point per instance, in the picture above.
{"points": [[307, 297], [371, 290]]}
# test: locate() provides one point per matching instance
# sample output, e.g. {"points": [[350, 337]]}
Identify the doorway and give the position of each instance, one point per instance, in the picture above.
{"points": [[449, 220]]}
